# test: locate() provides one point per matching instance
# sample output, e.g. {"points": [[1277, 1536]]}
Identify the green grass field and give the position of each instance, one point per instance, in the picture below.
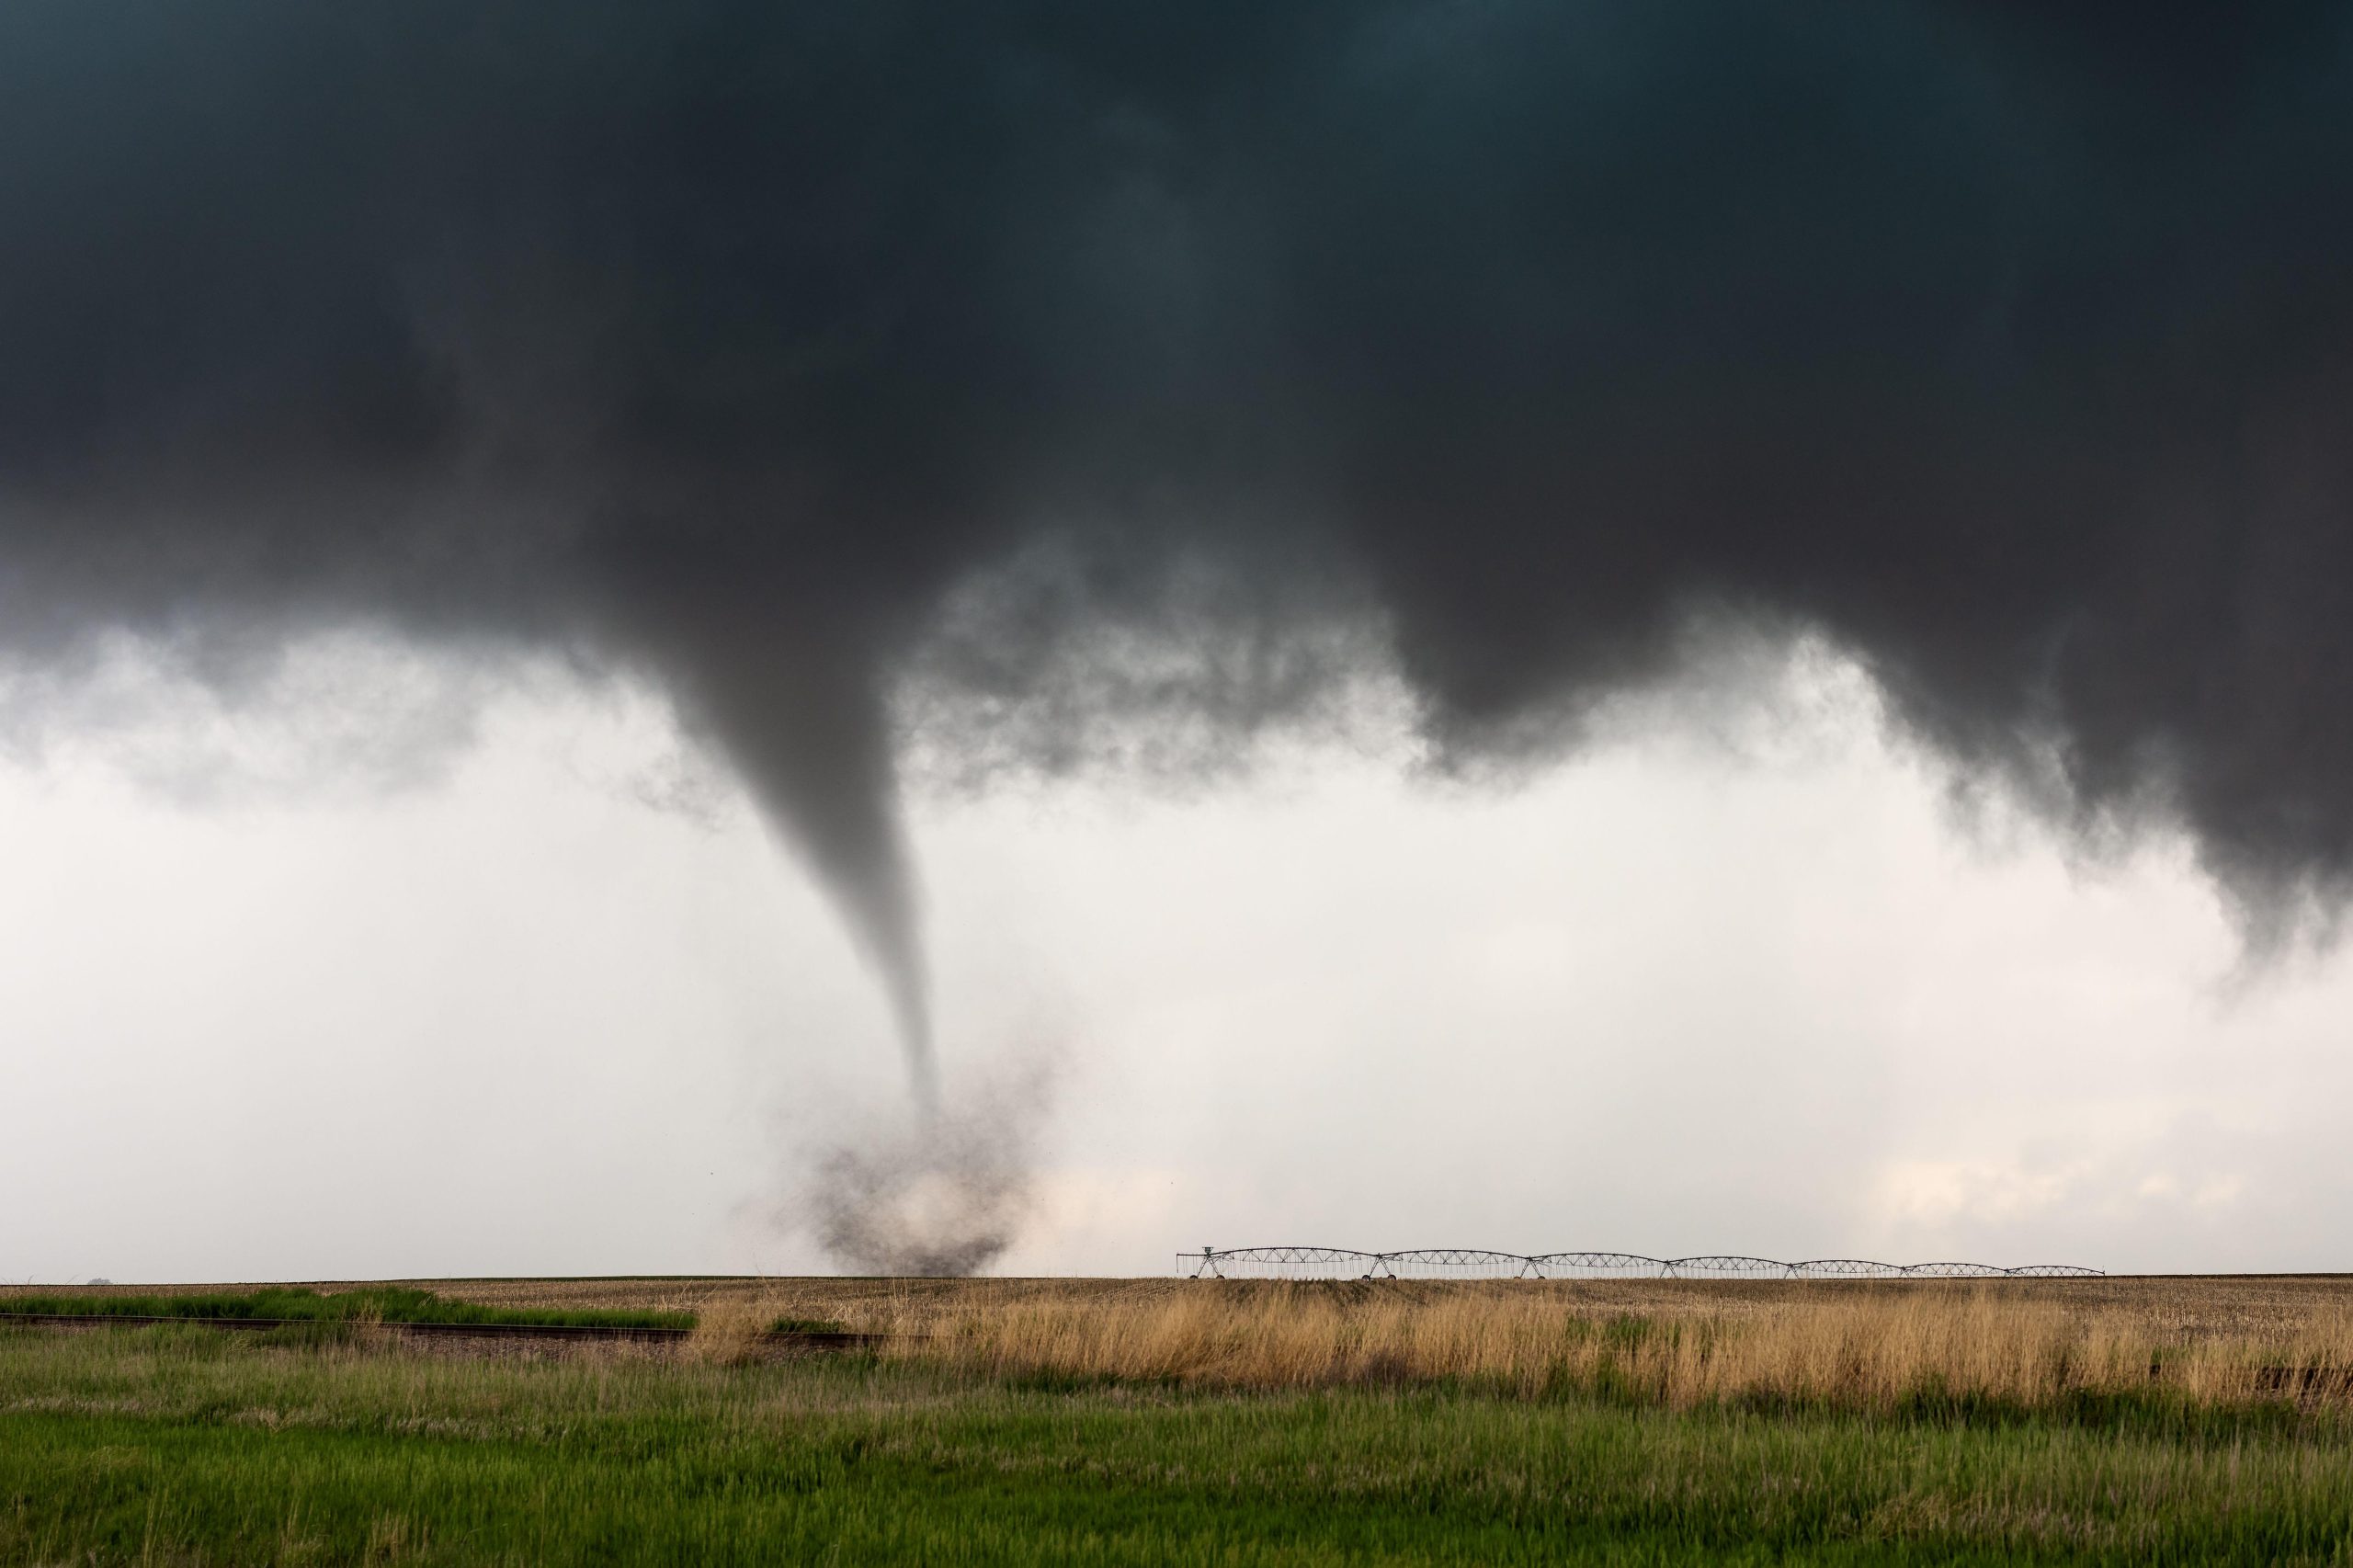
{"points": [[184, 1445], [376, 1304]]}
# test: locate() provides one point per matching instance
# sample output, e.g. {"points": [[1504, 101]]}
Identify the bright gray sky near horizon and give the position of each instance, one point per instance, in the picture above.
{"points": [[413, 972]]}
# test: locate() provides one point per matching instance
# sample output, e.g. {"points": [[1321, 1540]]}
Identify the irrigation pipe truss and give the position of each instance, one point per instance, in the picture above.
{"points": [[1455, 1263]]}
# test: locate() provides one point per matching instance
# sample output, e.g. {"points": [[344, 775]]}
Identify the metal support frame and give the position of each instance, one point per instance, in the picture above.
{"points": [[1459, 1263]]}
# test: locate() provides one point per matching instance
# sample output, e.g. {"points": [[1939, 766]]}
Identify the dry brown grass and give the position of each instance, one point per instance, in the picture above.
{"points": [[727, 1338], [1866, 1343], [1869, 1344], [730, 1329], [1854, 1348]]}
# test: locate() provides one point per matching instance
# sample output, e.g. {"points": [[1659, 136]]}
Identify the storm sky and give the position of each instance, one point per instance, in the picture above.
{"points": [[1718, 984], [1070, 405]]}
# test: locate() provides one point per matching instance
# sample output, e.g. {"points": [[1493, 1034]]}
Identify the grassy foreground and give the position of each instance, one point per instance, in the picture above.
{"points": [[184, 1445]]}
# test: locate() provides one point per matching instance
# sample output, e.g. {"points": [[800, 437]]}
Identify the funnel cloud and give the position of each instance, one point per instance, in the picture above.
{"points": [[1063, 370]]}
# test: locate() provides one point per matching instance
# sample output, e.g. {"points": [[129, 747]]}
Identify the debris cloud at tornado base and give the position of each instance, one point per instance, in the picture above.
{"points": [[1066, 372], [940, 1192]]}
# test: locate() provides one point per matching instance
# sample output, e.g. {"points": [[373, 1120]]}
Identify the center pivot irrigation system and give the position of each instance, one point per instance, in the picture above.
{"points": [[1470, 1263]]}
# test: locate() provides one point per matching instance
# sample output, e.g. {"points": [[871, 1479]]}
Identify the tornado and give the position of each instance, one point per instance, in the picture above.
{"points": [[806, 727]]}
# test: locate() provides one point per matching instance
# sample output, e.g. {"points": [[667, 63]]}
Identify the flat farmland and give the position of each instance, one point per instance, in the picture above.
{"points": [[2120, 1420], [2196, 1304]]}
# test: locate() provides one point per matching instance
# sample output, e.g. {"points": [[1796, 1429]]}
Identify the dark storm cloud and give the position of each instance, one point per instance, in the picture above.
{"points": [[2009, 345]]}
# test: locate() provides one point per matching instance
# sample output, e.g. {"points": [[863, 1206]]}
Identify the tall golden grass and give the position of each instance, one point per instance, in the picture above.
{"points": [[729, 1330], [1858, 1343], [1851, 1349]]}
